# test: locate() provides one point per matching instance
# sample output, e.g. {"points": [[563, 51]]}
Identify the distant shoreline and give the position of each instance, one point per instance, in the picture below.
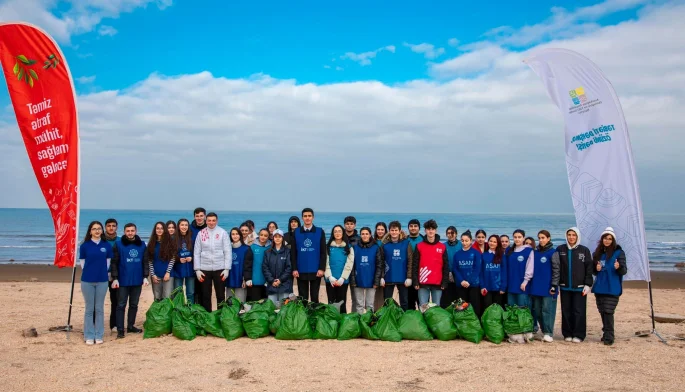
{"points": [[50, 273]]}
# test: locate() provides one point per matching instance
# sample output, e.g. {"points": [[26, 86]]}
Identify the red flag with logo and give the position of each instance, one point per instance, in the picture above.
{"points": [[42, 93]]}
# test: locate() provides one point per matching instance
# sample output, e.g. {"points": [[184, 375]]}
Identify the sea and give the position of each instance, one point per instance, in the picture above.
{"points": [[26, 235]]}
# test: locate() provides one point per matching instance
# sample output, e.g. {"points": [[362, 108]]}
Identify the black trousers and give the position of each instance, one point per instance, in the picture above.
{"points": [[198, 293], [412, 298], [389, 290], [337, 294], [309, 287], [573, 313], [130, 294], [255, 293], [449, 295], [493, 297], [606, 305], [471, 295], [212, 278]]}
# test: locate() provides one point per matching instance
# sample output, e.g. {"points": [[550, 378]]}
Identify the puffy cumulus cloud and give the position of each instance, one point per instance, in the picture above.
{"points": [[81, 16], [486, 143]]}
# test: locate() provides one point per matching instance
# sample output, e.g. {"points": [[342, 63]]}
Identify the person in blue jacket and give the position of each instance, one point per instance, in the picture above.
{"points": [[308, 256], [95, 256], [466, 271], [493, 277], [235, 284], [397, 254], [453, 245], [129, 275], [254, 277], [183, 272], [520, 269], [339, 264], [542, 295], [368, 267], [610, 267], [161, 256], [277, 270]]}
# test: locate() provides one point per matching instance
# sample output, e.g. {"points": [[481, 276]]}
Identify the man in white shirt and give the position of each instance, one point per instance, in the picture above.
{"points": [[212, 260]]}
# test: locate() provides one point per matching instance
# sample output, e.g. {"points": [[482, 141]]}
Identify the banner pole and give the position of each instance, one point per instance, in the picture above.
{"points": [[71, 299], [651, 305]]}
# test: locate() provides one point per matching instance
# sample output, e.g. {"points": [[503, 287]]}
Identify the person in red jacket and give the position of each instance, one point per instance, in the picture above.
{"points": [[430, 266]]}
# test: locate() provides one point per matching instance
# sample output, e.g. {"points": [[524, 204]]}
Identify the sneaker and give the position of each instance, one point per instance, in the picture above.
{"points": [[99, 341], [134, 330], [568, 339], [90, 342], [114, 330], [608, 342], [120, 335], [547, 339], [576, 340]]}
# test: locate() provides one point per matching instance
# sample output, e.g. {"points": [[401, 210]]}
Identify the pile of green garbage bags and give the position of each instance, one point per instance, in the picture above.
{"points": [[297, 319]]}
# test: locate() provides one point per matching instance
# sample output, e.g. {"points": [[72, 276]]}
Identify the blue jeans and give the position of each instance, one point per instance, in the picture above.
{"points": [[429, 292], [94, 295], [276, 298], [544, 312], [190, 287], [520, 300]]}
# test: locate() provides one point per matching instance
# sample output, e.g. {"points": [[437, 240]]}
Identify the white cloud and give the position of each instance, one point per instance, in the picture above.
{"points": [[453, 42], [429, 51], [365, 57], [86, 79], [327, 66], [339, 68], [474, 61], [82, 16], [107, 31], [272, 144], [562, 23]]}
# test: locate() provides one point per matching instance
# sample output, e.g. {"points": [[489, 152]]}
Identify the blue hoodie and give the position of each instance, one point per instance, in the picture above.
{"points": [[466, 267]]}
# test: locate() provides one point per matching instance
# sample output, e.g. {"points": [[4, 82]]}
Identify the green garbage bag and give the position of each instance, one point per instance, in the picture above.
{"points": [[387, 328], [208, 323], [256, 320], [178, 297], [183, 323], [274, 322], [293, 323], [349, 327], [158, 319], [467, 323], [492, 323], [413, 327], [366, 323], [517, 320], [229, 318], [325, 321], [441, 323]]}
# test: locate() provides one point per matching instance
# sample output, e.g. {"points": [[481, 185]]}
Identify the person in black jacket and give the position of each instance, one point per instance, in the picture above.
{"points": [[308, 257], [289, 236], [610, 267], [277, 270], [367, 271], [572, 272]]}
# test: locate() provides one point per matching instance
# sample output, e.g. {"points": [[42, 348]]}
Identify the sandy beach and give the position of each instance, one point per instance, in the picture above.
{"points": [[50, 362]]}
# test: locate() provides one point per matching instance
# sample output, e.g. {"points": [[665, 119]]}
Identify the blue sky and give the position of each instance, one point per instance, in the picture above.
{"points": [[397, 91]]}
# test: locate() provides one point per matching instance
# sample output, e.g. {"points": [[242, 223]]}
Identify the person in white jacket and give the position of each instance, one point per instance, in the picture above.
{"points": [[212, 260]]}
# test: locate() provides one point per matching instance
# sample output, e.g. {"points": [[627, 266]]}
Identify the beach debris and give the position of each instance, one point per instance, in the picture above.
{"points": [[668, 318], [642, 334], [11, 260], [33, 280], [677, 265], [30, 333]]}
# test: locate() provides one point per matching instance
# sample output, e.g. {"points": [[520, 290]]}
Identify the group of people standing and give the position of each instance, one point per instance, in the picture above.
{"points": [[252, 265]]}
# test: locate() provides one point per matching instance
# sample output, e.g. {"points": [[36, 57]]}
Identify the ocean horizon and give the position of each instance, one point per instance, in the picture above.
{"points": [[27, 235]]}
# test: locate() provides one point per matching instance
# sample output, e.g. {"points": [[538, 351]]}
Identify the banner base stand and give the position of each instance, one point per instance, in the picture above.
{"points": [[651, 306]]}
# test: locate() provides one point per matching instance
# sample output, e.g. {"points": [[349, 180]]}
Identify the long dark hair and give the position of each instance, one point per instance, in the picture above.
{"points": [[370, 232], [167, 247], [532, 239], [181, 238], [89, 236], [269, 224], [546, 234], [237, 230], [601, 249], [170, 222], [499, 252], [345, 239], [375, 234], [512, 247]]}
